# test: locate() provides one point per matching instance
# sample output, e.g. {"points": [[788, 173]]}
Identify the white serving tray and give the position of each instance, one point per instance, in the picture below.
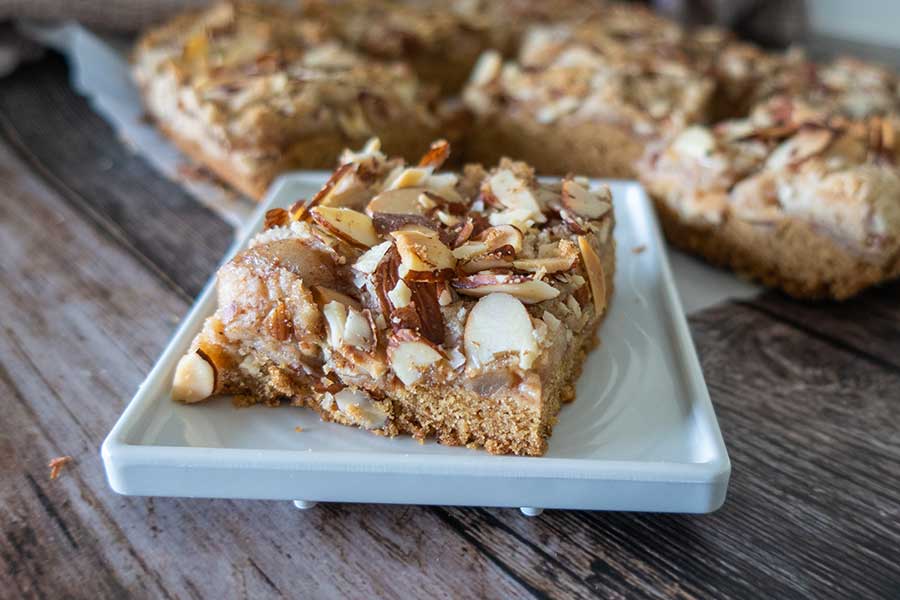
{"points": [[641, 436]]}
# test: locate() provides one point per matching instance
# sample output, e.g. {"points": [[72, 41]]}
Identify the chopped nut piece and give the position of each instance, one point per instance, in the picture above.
{"points": [[499, 325], [401, 295], [195, 378], [349, 225], [403, 201], [551, 264], [359, 406], [505, 188], [495, 259], [336, 318], [371, 258], [357, 331], [409, 177], [276, 217], [410, 355]]}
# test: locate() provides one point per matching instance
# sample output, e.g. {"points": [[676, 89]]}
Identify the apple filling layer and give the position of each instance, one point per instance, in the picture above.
{"points": [[402, 299]]}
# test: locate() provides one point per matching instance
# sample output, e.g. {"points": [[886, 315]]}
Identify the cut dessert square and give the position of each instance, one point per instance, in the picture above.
{"points": [[251, 90], [404, 300], [586, 96], [799, 197]]}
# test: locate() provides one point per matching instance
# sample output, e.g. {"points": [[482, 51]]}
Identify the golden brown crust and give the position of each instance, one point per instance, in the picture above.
{"points": [[790, 255]]}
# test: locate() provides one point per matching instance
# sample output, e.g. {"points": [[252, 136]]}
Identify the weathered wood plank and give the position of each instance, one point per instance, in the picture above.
{"points": [[82, 323], [77, 153], [813, 508]]}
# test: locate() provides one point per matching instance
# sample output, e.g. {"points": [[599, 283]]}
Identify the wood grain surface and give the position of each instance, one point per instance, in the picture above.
{"points": [[100, 257]]}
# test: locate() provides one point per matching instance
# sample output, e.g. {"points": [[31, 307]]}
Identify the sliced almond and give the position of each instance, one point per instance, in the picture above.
{"points": [[596, 277], [805, 144], [386, 223], [422, 252], [279, 322], [514, 193], [195, 378], [410, 355], [397, 201], [361, 408], [336, 318], [497, 326], [525, 288], [436, 155], [409, 177], [370, 259], [583, 202], [486, 69], [276, 217], [323, 295], [500, 258], [349, 225], [300, 212], [357, 331], [551, 264]]}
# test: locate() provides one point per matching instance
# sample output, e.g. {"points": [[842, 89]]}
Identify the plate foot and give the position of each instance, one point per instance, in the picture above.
{"points": [[304, 504], [531, 511]]}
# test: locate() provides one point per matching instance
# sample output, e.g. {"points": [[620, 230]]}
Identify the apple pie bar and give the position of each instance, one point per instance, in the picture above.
{"points": [[798, 196], [406, 300], [251, 90]]}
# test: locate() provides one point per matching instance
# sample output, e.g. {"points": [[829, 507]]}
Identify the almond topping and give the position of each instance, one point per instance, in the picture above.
{"points": [[371, 258], [422, 252], [276, 217], [583, 202], [436, 155], [550, 264], [195, 378], [525, 288], [596, 276], [336, 318], [410, 355], [349, 225], [404, 201], [514, 193], [357, 331], [499, 325], [807, 143]]}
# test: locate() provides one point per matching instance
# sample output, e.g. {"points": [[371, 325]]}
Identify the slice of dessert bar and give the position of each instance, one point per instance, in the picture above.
{"points": [[798, 196], [405, 300], [586, 96], [252, 89]]}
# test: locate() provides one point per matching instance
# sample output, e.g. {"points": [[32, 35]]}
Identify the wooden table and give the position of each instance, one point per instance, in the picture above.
{"points": [[101, 257]]}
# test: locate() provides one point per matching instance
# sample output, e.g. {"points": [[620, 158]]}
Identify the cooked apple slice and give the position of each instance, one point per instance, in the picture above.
{"points": [[525, 288], [596, 276], [195, 378], [349, 225], [583, 202], [499, 325], [410, 355]]}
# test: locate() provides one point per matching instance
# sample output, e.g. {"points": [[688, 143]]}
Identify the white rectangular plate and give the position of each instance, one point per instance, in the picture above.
{"points": [[641, 436]]}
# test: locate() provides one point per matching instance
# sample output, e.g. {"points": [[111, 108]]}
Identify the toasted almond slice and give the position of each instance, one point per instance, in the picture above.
{"points": [[499, 325], [409, 177], [323, 295], [596, 276], [500, 258], [805, 144], [300, 212], [351, 226], [436, 155], [514, 193], [371, 258], [470, 250], [486, 69], [550, 264], [501, 235], [583, 202], [410, 355], [420, 251], [403, 201], [696, 142], [276, 217], [361, 408], [336, 318], [524, 288], [195, 378], [357, 331]]}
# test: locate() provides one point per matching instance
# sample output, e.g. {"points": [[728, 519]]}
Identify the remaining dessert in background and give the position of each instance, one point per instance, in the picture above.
{"points": [[251, 90], [797, 195], [405, 300]]}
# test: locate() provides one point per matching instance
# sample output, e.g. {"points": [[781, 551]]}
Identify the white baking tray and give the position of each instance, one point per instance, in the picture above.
{"points": [[641, 436]]}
